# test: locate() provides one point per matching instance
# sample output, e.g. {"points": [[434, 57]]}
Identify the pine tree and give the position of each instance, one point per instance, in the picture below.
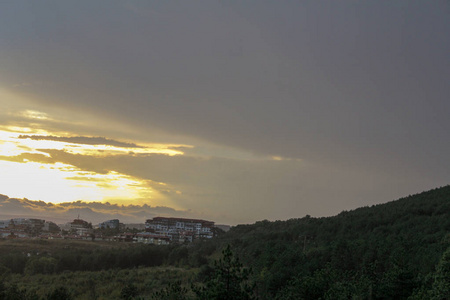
{"points": [[229, 282]]}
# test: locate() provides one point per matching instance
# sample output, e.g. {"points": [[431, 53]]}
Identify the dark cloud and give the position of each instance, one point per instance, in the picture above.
{"points": [[357, 90], [87, 178], [25, 157], [310, 77], [81, 140], [269, 189]]}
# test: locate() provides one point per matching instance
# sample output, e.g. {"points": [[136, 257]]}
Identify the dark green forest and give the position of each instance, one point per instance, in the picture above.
{"points": [[396, 250]]}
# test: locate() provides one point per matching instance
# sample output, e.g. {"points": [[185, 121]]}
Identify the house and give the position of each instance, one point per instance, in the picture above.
{"points": [[150, 238], [124, 237], [13, 233]]}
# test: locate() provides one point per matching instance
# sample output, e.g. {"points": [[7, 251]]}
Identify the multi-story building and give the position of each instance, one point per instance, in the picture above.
{"points": [[80, 227], [35, 226], [4, 223], [112, 224], [150, 238], [51, 227], [180, 229], [32, 227]]}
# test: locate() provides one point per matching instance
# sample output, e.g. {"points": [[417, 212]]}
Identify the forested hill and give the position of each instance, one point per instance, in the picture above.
{"points": [[386, 251], [397, 250]]}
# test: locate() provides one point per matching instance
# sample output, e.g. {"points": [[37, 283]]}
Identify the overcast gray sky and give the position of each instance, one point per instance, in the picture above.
{"points": [[285, 108]]}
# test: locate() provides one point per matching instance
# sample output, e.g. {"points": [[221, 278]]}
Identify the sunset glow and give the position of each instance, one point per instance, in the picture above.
{"points": [[223, 110], [27, 170]]}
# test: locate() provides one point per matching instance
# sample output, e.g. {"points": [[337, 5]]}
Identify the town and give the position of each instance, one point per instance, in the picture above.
{"points": [[158, 231]]}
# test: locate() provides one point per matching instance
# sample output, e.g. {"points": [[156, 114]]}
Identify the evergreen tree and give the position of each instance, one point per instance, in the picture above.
{"points": [[130, 291], [60, 293], [441, 285], [175, 291], [229, 282]]}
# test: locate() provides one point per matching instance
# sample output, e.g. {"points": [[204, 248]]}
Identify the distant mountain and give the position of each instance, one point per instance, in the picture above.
{"points": [[94, 212]]}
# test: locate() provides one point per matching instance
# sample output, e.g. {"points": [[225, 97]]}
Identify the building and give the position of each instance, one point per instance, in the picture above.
{"points": [[4, 233], [4, 224], [112, 224], [180, 229], [13, 233], [34, 226], [31, 227], [80, 227], [150, 238], [51, 227]]}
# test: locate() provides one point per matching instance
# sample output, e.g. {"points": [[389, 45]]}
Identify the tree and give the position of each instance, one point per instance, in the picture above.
{"points": [[41, 265], [60, 293], [229, 282], [2, 290], [441, 284], [174, 291], [313, 286], [129, 291], [13, 292]]}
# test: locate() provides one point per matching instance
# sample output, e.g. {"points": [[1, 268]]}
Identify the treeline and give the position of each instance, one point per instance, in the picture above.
{"points": [[227, 279], [397, 250], [387, 251], [72, 259]]}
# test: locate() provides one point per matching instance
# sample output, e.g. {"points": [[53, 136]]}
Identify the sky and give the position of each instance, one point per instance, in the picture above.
{"points": [[230, 111]]}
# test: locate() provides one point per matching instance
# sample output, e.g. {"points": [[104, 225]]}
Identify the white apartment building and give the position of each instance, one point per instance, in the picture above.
{"points": [[180, 229]]}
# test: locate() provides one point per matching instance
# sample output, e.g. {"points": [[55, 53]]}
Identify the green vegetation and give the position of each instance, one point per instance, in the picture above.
{"points": [[397, 250], [228, 281], [387, 251]]}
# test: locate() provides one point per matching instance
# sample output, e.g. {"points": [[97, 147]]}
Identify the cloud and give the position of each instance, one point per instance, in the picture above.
{"points": [[232, 190], [302, 83], [228, 190], [94, 212], [81, 140], [26, 157], [356, 95]]}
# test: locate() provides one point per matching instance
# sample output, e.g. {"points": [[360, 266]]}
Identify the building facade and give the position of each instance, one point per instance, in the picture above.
{"points": [[80, 227], [112, 224], [180, 229], [29, 227]]}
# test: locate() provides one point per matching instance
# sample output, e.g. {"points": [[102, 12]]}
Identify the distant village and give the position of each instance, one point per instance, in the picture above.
{"points": [[158, 231]]}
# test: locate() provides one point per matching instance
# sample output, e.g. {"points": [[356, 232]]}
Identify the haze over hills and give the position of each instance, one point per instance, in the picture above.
{"points": [[95, 212]]}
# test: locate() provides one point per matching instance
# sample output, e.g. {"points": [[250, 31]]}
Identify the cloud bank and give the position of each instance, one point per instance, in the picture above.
{"points": [[94, 212], [81, 140], [239, 110]]}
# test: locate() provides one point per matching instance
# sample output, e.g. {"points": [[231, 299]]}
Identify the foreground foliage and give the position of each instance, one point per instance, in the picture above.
{"points": [[228, 281]]}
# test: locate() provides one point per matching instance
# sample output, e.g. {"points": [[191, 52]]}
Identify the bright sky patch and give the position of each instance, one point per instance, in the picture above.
{"points": [[28, 171]]}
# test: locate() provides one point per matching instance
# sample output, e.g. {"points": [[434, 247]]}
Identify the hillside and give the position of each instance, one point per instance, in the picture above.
{"points": [[396, 250], [384, 251]]}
